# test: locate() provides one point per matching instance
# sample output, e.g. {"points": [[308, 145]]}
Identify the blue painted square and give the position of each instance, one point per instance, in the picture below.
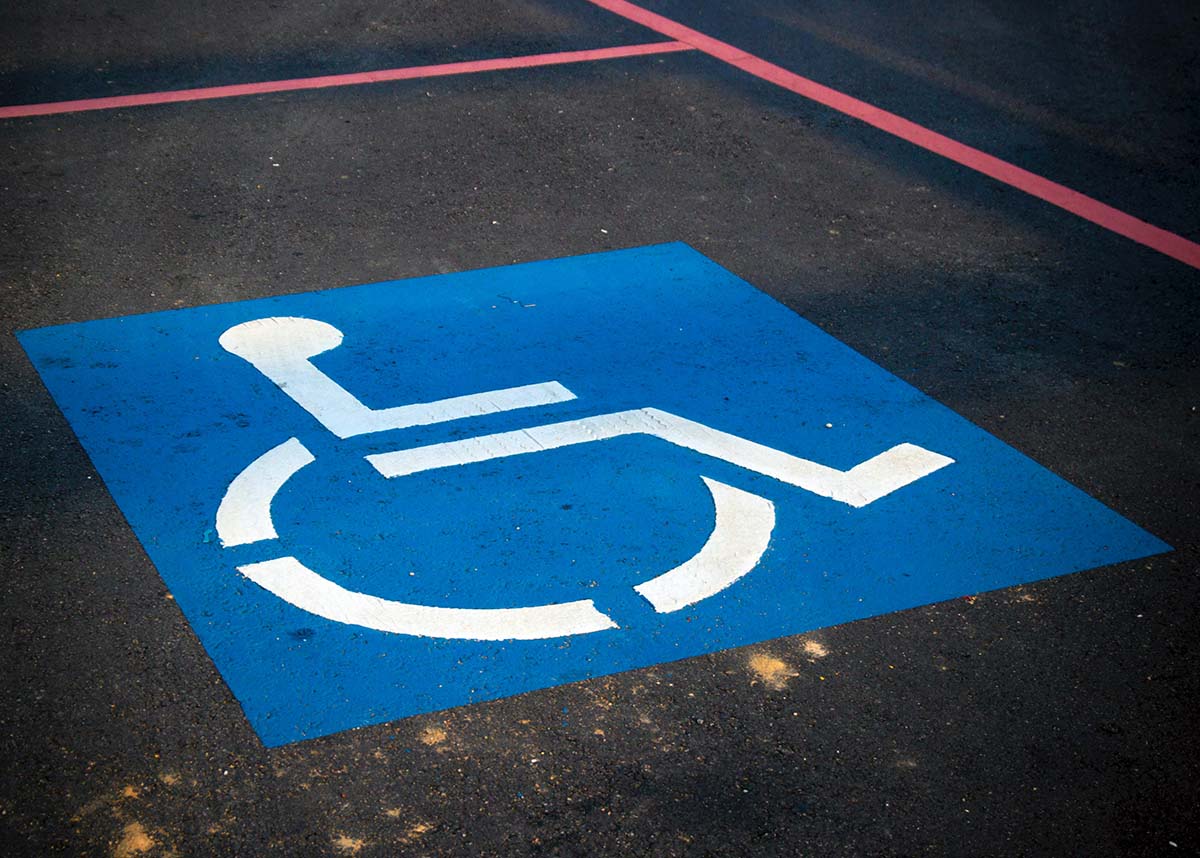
{"points": [[171, 418]]}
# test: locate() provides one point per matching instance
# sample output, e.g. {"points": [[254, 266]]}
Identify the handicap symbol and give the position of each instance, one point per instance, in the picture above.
{"points": [[281, 349]]}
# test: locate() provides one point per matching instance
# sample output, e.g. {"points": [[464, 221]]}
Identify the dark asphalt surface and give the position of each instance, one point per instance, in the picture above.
{"points": [[1052, 719]]}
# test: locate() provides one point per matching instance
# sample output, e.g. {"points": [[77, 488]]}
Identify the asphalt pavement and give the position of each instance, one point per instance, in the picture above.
{"points": [[1053, 718]]}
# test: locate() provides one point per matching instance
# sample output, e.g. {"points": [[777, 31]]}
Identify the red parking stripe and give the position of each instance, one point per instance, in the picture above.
{"points": [[1175, 246], [356, 78]]}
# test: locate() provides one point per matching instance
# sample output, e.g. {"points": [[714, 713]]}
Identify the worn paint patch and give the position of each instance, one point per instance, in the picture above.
{"points": [[814, 649], [771, 671], [417, 831], [398, 498], [134, 841], [432, 736], [348, 845]]}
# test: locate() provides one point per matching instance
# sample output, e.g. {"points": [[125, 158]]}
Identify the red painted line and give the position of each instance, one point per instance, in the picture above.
{"points": [[1175, 246], [354, 79]]}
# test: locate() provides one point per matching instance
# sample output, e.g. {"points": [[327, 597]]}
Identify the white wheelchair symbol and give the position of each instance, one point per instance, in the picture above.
{"points": [[281, 348]]}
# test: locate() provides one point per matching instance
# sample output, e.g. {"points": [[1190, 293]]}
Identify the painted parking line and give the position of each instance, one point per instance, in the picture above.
{"points": [[382, 500], [1101, 214], [685, 38], [353, 79]]}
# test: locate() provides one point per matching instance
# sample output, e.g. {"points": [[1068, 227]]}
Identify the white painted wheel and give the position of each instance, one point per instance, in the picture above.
{"points": [[742, 528]]}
